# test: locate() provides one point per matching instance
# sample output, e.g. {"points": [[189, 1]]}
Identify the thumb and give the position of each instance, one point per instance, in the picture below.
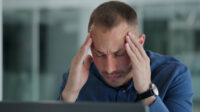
{"points": [[88, 61]]}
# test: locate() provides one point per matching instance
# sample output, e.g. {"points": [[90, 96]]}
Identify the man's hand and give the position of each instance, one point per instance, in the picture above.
{"points": [[141, 71], [79, 72]]}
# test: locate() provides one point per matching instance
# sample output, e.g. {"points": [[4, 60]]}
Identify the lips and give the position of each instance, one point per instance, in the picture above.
{"points": [[113, 77]]}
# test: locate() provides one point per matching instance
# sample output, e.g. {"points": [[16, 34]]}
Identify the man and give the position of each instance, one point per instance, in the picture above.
{"points": [[120, 70]]}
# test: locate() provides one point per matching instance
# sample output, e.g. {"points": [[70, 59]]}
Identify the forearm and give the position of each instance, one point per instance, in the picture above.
{"points": [[69, 96]]}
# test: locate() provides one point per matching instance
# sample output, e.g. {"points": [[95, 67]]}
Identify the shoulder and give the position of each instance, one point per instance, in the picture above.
{"points": [[168, 69], [170, 75], [159, 61]]}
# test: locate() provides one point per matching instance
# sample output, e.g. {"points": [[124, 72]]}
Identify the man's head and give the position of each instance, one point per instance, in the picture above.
{"points": [[109, 24], [111, 14]]}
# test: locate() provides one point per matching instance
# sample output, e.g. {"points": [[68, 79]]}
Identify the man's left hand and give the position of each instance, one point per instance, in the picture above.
{"points": [[141, 71]]}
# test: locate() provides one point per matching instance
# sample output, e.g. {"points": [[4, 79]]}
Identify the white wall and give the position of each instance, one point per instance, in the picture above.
{"points": [[1, 53], [80, 3]]}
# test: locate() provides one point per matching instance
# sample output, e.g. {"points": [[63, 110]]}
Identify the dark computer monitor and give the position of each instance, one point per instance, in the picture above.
{"points": [[71, 107]]}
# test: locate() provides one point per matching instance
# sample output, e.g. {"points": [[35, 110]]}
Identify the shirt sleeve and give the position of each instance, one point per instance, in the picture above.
{"points": [[178, 97], [64, 81]]}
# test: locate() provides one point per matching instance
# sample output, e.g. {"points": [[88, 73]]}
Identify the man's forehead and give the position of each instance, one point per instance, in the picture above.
{"points": [[115, 35], [120, 28], [109, 41], [113, 52]]}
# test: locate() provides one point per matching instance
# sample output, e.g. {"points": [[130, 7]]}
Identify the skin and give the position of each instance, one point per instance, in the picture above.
{"points": [[119, 56], [109, 54]]}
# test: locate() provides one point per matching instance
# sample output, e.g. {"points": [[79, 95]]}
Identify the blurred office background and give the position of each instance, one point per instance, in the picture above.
{"points": [[40, 37]]}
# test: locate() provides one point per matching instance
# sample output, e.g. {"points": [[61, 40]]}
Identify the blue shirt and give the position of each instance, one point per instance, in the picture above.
{"points": [[171, 77]]}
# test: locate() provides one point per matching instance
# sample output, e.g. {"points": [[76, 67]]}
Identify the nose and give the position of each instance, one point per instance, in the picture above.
{"points": [[111, 64]]}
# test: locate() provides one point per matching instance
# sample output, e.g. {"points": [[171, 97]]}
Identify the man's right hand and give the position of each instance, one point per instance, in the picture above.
{"points": [[79, 72]]}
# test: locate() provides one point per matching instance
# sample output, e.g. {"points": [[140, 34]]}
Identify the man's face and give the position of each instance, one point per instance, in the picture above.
{"points": [[109, 54]]}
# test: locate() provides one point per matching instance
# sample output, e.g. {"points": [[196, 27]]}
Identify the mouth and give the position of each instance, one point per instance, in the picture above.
{"points": [[113, 77]]}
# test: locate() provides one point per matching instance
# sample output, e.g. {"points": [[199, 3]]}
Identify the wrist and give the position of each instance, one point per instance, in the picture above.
{"points": [[149, 101], [144, 88], [149, 96], [69, 95]]}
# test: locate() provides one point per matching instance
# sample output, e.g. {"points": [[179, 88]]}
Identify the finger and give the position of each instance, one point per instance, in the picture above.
{"points": [[137, 44], [133, 48], [88, 61], [87, 41], [132, 56], [83, 50]]}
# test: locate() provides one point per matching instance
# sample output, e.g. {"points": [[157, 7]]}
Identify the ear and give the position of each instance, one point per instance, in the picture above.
{"points": [[142, 39]]}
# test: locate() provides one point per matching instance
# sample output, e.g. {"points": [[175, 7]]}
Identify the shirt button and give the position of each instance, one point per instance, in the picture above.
{"points": [[123, 91]]}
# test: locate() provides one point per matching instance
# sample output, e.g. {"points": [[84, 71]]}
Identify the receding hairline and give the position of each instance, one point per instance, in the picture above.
{"points": [[112, 13], [108, 29], [133, 28]]}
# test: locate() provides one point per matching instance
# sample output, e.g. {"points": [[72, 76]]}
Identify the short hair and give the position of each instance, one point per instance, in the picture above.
{"points": [[110, 14]]}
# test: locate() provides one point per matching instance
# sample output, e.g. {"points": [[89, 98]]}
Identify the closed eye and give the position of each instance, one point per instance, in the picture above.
{"points": [[120, 54]]}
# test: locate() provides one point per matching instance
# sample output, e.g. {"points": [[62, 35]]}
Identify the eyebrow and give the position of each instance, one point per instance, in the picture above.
{"points": [[116, 52]]}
